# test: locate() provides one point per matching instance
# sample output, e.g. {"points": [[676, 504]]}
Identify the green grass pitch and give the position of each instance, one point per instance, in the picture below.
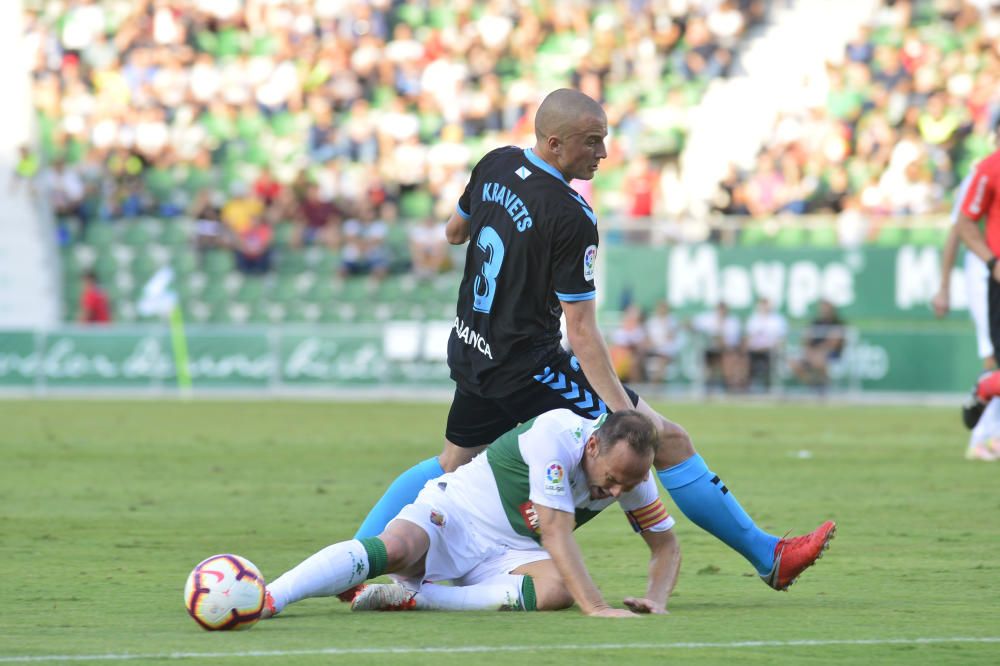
{"points": [[106, 506]]}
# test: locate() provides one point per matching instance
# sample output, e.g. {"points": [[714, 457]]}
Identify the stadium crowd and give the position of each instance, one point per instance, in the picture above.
{"points": [[892, 130], [323, 111], [735, 355]]}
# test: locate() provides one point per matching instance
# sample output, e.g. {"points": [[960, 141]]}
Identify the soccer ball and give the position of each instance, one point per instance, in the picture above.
{"points": [[225, 592]]}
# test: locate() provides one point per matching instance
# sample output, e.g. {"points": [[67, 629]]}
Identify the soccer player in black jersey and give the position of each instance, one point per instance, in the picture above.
{"points": [[531, 257]]}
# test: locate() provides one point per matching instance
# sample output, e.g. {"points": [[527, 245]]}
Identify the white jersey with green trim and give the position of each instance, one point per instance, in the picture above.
{"points": [[540, 462]]}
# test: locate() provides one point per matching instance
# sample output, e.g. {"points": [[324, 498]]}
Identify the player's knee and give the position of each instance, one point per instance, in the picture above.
{"points": [[675, 445], [405, 545], [453, 456], [551, 594]]}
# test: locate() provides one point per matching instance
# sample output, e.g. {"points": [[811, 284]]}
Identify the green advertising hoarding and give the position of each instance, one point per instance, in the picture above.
{"points": [[401, 355], [865, 284], [246, 357]]}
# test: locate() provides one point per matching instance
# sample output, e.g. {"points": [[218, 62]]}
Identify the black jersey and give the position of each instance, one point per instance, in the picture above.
{"points": [[533, 242]]}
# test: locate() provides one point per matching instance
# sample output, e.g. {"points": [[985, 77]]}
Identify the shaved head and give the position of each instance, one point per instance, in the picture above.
{"points": [[570, 128], [561, 111]]}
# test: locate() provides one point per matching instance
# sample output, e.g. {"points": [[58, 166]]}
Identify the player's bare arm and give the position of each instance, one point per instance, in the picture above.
{"points": [[942, 299], [972, 236], [456, 230], [590, 349], [664, 565], [557, 538]]}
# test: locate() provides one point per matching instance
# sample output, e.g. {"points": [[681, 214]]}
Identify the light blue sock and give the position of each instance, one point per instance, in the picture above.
{"points": [[706, 501], [402, 492]]}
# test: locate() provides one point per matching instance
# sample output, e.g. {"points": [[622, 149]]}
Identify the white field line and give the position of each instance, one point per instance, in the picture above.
{"points": [[472, 649]]}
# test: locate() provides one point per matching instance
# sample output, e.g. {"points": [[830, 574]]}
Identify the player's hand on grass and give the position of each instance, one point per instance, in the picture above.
{"points": [[611, 612], [642, 605]]}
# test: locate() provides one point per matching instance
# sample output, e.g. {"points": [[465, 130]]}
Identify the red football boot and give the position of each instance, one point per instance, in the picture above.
{"points": [[795, 555]]}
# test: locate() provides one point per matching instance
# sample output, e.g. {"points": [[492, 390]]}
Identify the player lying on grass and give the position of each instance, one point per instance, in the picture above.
{"points": [[501, 527]]}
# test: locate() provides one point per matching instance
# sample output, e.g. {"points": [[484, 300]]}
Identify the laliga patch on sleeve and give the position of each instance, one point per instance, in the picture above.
{"points": [[555, 479], [589, 262]]}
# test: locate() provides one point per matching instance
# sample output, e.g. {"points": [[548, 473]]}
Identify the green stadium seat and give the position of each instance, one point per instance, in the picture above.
{"points": [[416, 205], [290, 262], [389, 290], [159, 182], [323, 261], [397, 239], [215, 293], [238, 313], [355, 290], [322, 292], [105, 266], [252, 290], [285, 234], [195, 310], [218, 262], [219, 314], [183, 261], [143, 266], [135, 233], [285, 289], [302, 312], [406, 311], [100, 234], [177, 232]]}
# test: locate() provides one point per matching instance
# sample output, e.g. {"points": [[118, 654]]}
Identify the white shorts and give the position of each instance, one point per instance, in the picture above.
{"points": [[976, 283], [456, 552]]}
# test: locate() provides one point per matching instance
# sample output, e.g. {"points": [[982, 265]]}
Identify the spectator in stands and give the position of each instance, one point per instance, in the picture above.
{"points": [[628, 346], [320, 219], [852, 224], [766, 331], [94, 305], [722, 337], [730, 198], [665, 339], [429, 249], [179, 96], [364, 250], [66, 191], [209, 231], [242, 209], [25, 171], [822, 342], [266, 188], [909, 89], [184, 73], [253, 245], [641, 191]]}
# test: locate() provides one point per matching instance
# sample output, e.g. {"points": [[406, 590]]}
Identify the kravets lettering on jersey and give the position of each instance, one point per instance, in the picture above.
{"points": [[500, 194], [472, 338]]}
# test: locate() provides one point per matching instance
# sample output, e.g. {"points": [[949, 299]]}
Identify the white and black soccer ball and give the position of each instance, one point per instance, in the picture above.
{"points": [[225, 592]]}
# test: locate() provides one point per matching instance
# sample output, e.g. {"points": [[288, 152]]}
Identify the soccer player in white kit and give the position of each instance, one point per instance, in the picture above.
{"points": [[501, 527], [984, 440]]}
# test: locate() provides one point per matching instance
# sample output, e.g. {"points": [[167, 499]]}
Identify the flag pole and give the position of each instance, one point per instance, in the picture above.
{"points": [[179, 341]]}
